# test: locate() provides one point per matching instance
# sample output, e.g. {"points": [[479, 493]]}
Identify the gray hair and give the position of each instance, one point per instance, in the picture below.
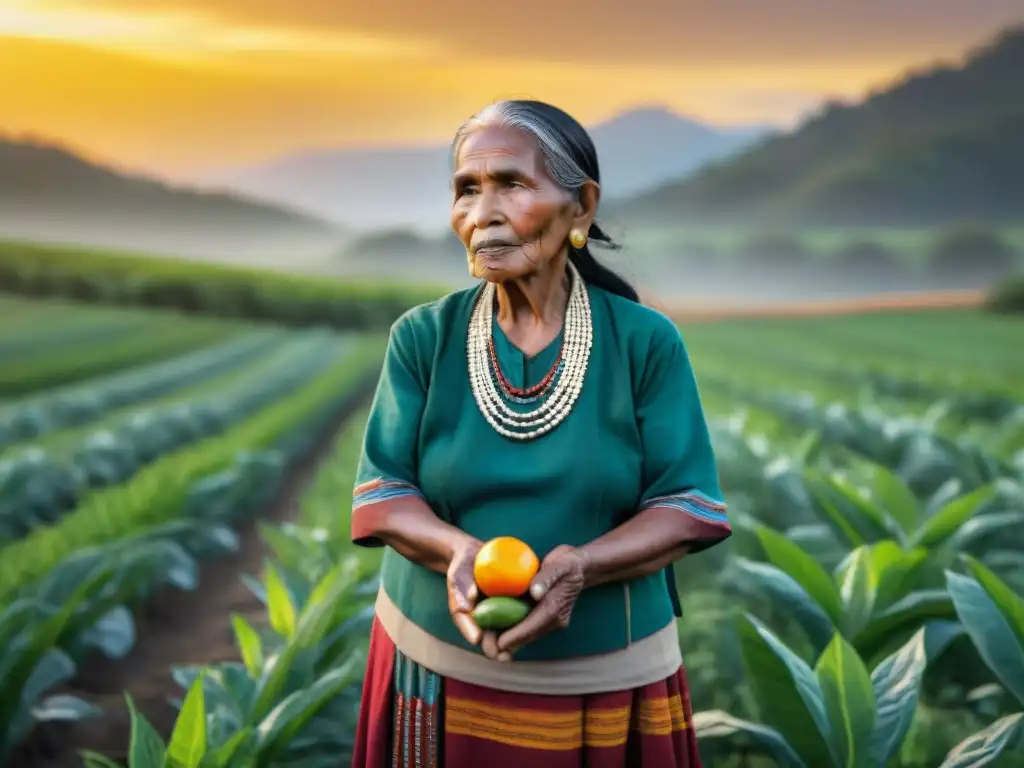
{"points": [[557, 153], [571, 160]]}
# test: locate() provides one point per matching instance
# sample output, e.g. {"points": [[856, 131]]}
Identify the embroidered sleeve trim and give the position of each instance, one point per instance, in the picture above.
{"points": [[378, 490], [693, 503]]}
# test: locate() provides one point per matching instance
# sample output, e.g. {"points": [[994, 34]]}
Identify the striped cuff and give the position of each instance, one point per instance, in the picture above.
{"points": [[371, 502], [712, 523]]}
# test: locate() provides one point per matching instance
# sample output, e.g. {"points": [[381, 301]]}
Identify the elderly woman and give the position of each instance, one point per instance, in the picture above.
{"points": [[549, 405]]}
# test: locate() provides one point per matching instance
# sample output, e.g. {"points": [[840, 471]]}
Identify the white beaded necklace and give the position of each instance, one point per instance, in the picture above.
{"points": [[579, 338]]}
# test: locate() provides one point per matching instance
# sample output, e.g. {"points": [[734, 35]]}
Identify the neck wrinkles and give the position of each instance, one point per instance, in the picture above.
{"points": [[537, 299]]}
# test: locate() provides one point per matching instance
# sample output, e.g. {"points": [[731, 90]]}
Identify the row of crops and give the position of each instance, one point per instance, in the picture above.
{"points": [[293, 697], [200, 287], [957, 373], [122, 479], [866, 613]]}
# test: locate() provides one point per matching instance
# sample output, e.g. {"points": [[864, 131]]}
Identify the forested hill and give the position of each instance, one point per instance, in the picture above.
{"points": [[941, 144], [49, 192]]}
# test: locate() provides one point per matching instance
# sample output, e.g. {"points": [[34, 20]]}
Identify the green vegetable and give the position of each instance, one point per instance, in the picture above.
{"points": [[500, 612]]}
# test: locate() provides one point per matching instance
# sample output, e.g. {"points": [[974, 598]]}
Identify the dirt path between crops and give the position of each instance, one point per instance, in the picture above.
{"points": [[174, 628]]}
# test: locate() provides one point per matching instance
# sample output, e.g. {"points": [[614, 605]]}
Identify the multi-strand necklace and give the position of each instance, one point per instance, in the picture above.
{"points": [[557, 392]]}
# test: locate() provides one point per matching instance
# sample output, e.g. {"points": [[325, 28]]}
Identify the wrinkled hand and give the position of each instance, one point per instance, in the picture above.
{"points": [[462, 591], [556, 588]]}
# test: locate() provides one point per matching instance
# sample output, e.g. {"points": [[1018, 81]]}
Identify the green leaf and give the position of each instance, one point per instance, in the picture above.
{"points": [[849, 700], [232, 687], [224, 755], [64, 708], [908, 614], [791, 598], [318, 611], [789, 698], [818, 540], [803, 569], [15, 617], [1005, 561], [312, 625], [53, 669], [45, 636], [113, 634], [983, 525], [279, 603], [249, 645], [947, 521], [857, 590], [896, 683], [844, 505], [146, 748], [895, 498], [717, 724], [188, 741], [1006, 600], [289, 544], [985, 746], [807, 448], [291, 715], [939, 635], [995, 640], [820, 486], [894, 570], [96, 760]]}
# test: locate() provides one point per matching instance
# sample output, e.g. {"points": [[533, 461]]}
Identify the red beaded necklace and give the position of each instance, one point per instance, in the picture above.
{"points": [[517, 392]]}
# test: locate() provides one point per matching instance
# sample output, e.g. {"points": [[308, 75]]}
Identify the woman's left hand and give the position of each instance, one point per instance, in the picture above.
{"points": [[556, 588]]}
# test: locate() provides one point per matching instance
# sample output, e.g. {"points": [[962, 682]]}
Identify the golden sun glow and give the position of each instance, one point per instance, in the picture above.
{"points": [[189, 33], [179, 85]]}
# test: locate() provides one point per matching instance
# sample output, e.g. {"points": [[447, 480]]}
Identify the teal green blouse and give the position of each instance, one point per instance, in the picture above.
{"points": [[636, 438]]}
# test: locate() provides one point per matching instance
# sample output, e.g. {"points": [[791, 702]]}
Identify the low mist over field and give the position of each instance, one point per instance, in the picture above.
{"points": [[917, 186], [737, 265], [50, 193], [386, 187]]}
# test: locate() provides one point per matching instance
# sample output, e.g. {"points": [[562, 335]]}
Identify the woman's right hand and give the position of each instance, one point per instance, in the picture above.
{"points": [[462, 590]]}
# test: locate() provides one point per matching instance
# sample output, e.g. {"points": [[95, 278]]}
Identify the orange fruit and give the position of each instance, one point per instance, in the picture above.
{"points": [[504, 567]]}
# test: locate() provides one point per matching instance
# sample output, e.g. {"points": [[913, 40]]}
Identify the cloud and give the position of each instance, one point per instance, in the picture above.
{"points": [[700, 33], [178, 84], [172, 114], [182, 32]]}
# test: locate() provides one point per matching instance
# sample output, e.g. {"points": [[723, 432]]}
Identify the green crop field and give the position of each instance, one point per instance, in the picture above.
{"points": [[174, 483]]}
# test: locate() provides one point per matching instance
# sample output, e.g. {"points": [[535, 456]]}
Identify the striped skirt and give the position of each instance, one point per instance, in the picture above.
{"points": [[412, 718]]}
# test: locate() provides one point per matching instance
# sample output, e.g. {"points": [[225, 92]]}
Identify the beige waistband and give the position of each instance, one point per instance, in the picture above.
{"points": [[646, 661]]}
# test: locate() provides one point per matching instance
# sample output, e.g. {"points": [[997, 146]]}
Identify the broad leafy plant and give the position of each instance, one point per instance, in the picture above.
{"points": [[875, 505], [50, 626], [875, 594], [834, 715], [911, 447], [993, 616], [292, 698]]}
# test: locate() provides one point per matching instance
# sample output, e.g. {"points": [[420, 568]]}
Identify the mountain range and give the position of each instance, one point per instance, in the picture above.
{"points": [[939, 146], [52, 193], [382, 187], [942, 144]]}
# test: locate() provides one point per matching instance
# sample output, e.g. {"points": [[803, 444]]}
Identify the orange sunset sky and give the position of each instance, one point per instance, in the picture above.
{"points": [[178, 86]]}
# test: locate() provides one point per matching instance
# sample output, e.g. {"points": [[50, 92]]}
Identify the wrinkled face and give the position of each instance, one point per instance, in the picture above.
{"points": [[508, 211]]}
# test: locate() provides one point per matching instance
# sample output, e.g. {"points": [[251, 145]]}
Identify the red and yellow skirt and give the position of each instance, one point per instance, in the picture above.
{"points": [[412, 718]]}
